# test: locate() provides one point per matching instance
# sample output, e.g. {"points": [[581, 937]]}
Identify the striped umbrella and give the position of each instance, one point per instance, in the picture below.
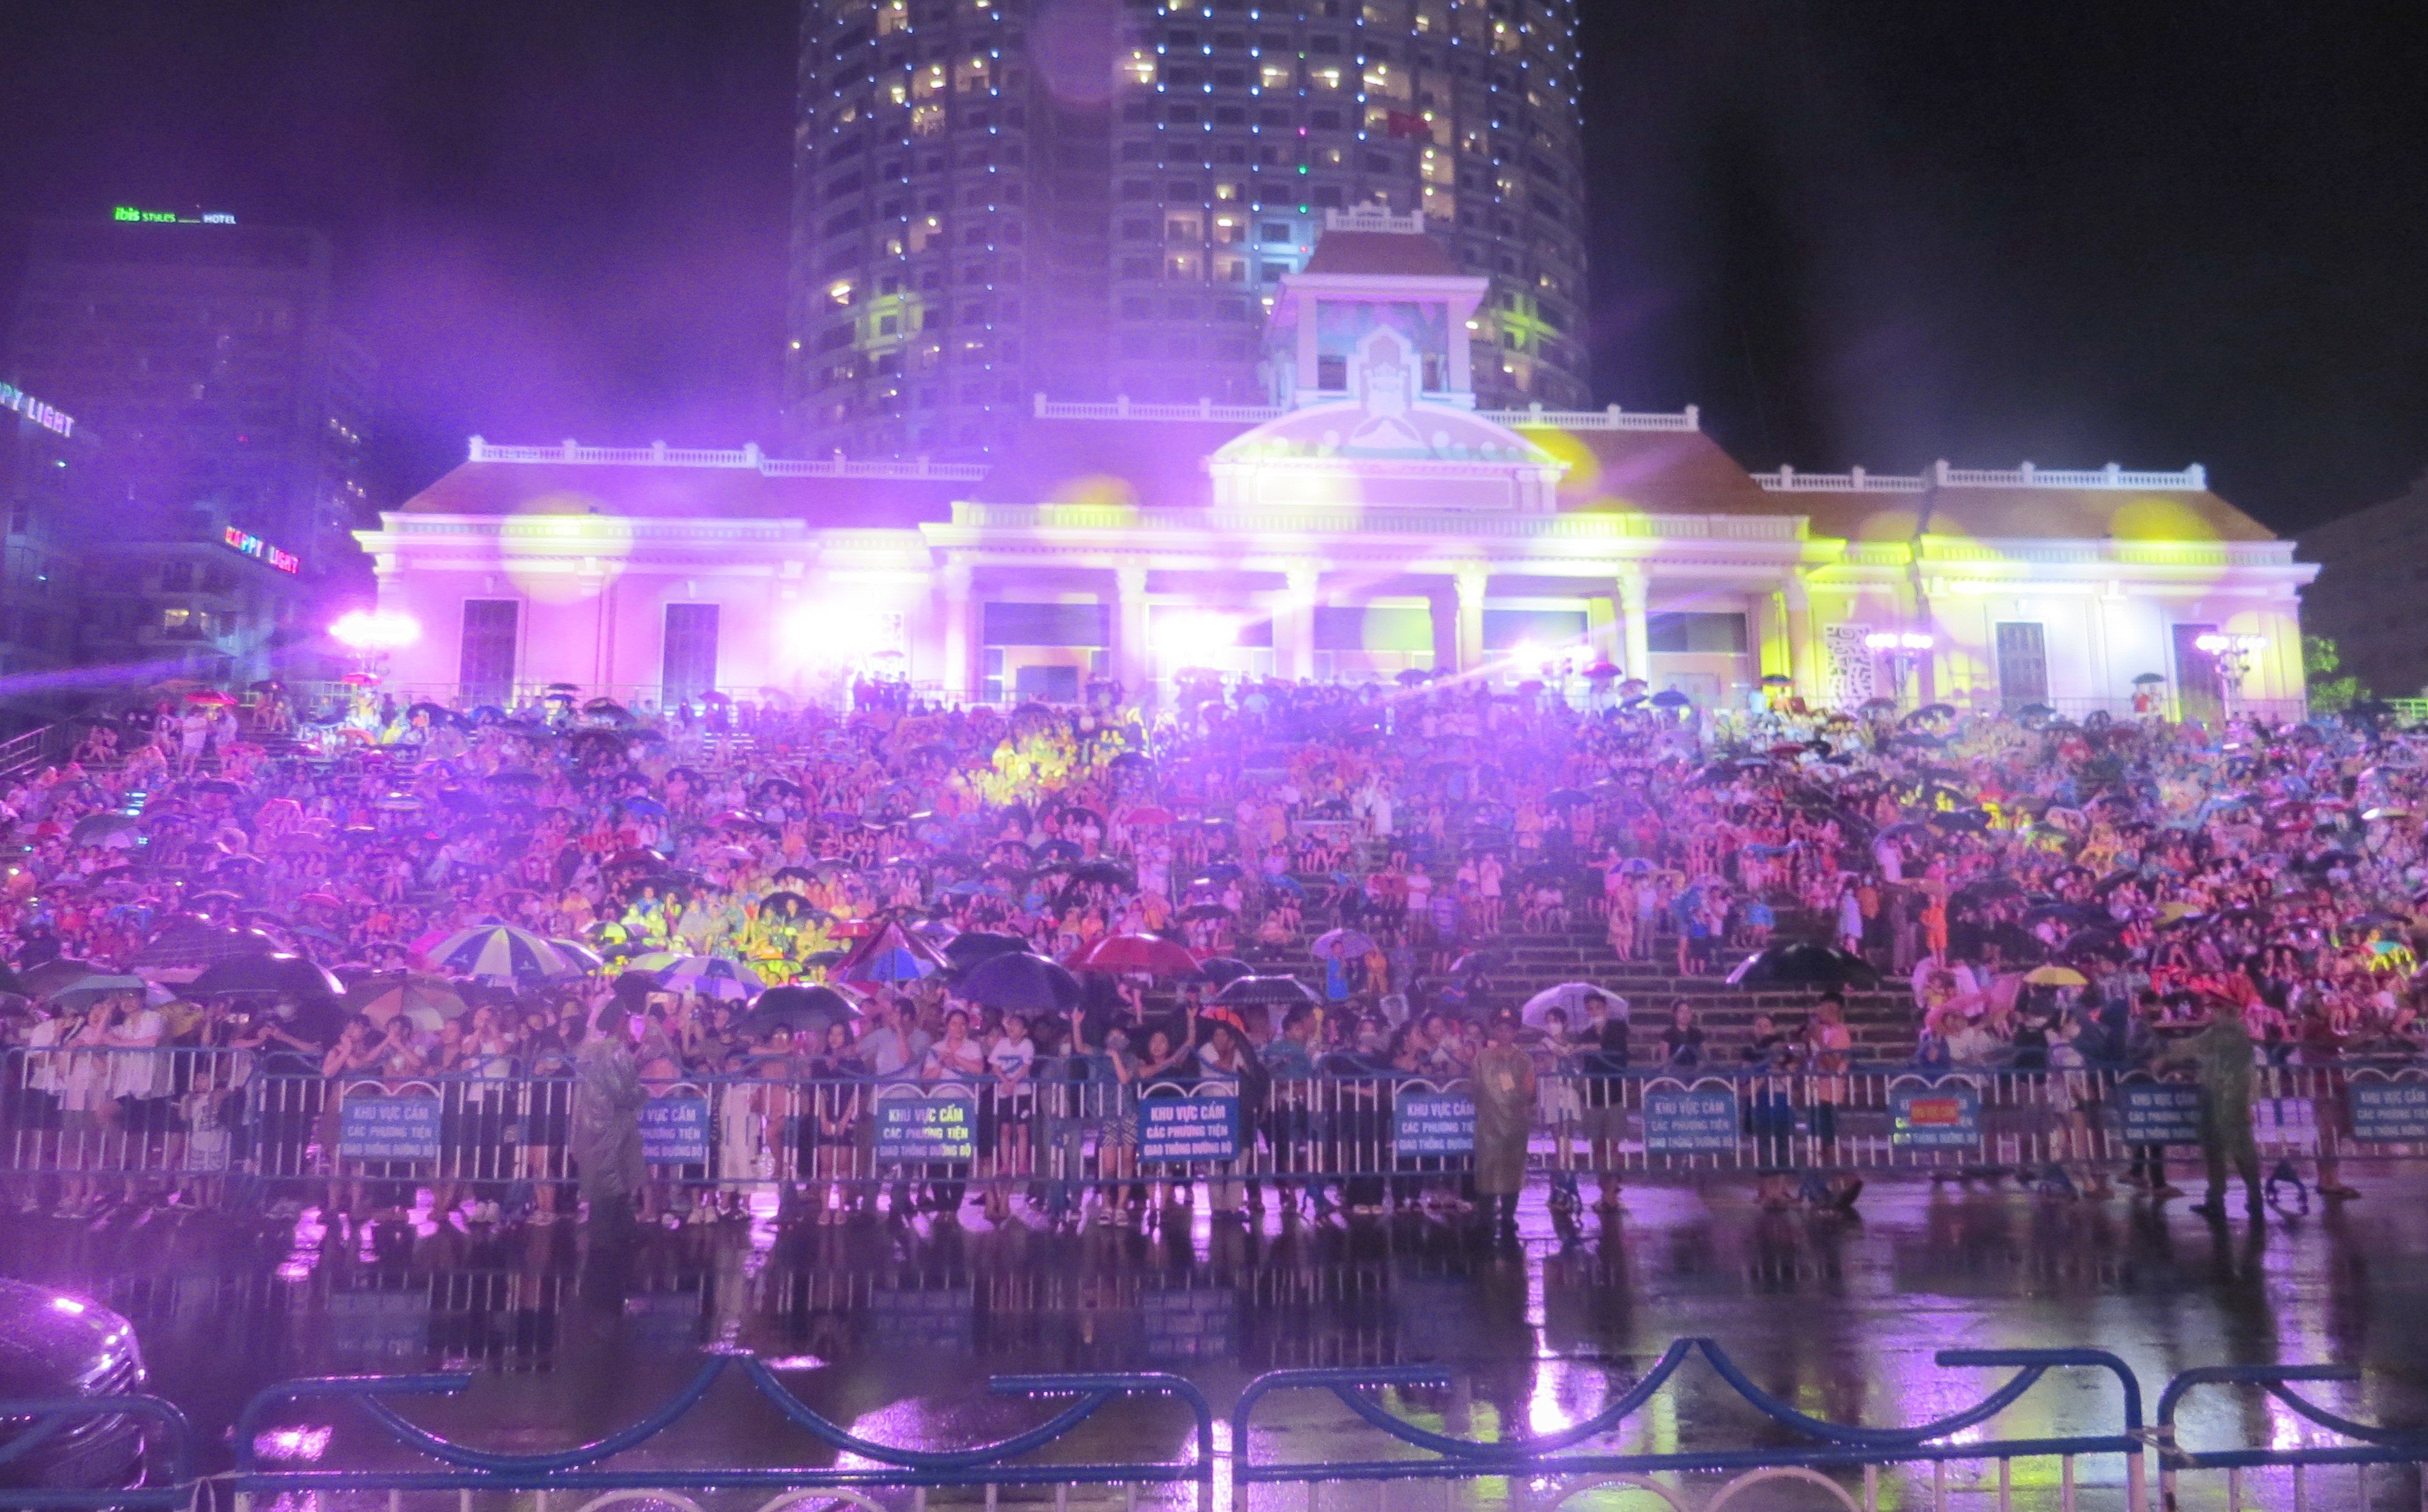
{"points": [[581, 956], [499, 953], [711, 975], [890, 954]]}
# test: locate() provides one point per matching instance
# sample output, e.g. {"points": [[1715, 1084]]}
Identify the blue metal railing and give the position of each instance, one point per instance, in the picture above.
{"points": [[998, 1463], [1828, 1444], [2378, 1445], [862, 1464], [166, 1458]]}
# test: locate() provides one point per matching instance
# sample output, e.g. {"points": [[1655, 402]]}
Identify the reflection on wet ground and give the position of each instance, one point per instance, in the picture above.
{"points": [[895, 1330]]}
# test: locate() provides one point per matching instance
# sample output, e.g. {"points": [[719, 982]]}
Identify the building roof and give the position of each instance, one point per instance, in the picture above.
{"points": [[1652, 472], [675, 492], [2090, 514], [2035, 514], [2372, 527], [1153, 463], [1386, 252]]}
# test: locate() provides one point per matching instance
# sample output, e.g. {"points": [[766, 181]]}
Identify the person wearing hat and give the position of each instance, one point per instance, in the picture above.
{"points": [[1503, 1078]]}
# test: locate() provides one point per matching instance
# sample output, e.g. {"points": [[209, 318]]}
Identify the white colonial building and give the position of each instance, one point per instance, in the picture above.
{"points": [[1370, 520]]}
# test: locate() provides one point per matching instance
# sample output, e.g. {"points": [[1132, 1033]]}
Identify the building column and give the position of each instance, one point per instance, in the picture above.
{"points": [[1305, 358], [1294, 622], [1469, 582], [1803, 662], [1632, 590], [1441, 614], [1133, 663], [1766, 626], [960, 631]]}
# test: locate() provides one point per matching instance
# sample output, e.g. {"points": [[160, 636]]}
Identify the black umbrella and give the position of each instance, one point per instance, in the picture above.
{"points": [[1987, 888], [1224, 970], [1021, 984], [1111, 873], [192, 943], [1803, 963], [971, 947], [802, 1009], [291, 975], [1670, 698], [789, 905], [2095, 941], [1266, 991]]}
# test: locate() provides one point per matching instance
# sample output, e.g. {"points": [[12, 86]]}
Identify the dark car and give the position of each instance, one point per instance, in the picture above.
{"points": [[53, 1346]]}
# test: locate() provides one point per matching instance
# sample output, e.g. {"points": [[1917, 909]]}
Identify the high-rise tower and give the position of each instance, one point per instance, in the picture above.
{"points": [[995, 197]]}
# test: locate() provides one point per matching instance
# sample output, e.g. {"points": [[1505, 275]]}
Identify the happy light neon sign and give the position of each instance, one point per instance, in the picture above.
{"points": [[260, 550], [18, 401]]}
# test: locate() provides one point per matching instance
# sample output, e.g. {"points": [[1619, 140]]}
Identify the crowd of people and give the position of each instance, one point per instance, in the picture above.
{"points": [[574, 889]]}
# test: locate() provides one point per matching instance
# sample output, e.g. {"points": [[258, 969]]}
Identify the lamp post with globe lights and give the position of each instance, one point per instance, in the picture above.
{"points": [[371, 634], [1904, 649], [2234, 654]]}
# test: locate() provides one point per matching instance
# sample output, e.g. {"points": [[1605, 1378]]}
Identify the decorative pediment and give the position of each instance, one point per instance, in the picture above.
{"points": [[1385, 445]]}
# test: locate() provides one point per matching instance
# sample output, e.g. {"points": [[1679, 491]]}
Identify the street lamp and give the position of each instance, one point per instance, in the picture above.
{"points": [[371, 634], [1905, 649], [2234, 654]]}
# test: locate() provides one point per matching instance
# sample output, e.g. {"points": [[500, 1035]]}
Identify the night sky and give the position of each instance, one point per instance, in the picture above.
{"points": [[1854, 233]]}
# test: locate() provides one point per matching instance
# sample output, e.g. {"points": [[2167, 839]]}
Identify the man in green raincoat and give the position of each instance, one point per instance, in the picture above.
{"points": [[1503, 1078], [607, 1101], [2221, 1058]]}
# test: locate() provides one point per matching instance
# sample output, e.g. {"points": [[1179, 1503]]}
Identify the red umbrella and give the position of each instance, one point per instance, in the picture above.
{"points": [[209, 696], [1148, 953]]}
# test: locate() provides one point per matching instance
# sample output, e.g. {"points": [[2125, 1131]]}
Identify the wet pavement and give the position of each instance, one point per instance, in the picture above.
{"points": [[893, 1331]]}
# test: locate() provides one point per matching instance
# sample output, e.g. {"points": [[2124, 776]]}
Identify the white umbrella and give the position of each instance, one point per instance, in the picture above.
{"points": [[1573, 999]]}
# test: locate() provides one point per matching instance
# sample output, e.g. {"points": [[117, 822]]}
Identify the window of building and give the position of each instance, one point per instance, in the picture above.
{"points": [[485, 664], [1542, 630], [689, 664], [176, 577], [1686, 633], [2023, 664]]}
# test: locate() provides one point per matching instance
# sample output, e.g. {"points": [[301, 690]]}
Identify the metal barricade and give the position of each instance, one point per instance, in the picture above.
{"points": [[84, 1114], [1553, 1469], [2360, 1465]]}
